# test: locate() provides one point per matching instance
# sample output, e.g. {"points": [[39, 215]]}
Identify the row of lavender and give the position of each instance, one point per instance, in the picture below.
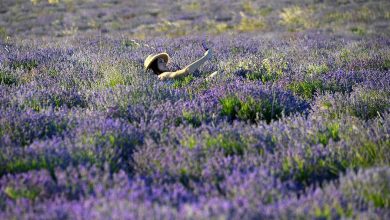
{"points": [[141, 19], [290, 127]]}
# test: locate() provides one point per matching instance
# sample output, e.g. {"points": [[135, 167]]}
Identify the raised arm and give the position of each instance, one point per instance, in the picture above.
{"points": [[188, 69]]}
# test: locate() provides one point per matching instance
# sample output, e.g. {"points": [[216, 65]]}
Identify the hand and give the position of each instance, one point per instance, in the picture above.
{"points": [[208, 54]]}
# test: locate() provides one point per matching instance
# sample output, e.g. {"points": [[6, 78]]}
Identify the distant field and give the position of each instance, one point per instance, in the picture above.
{"points": [[295, 125]]}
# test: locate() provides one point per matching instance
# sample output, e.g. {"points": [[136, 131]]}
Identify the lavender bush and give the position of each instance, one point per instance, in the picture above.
{"points": [[294, 125]]}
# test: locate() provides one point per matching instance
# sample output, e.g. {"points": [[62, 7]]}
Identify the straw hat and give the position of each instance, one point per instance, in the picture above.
{"points": [[151, 58]]}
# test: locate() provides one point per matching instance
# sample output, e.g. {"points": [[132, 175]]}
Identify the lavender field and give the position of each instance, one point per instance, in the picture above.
{"points": [[295, 125]]}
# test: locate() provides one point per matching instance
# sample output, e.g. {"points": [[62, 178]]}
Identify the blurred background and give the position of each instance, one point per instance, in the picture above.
{"points": [[140, 19]]}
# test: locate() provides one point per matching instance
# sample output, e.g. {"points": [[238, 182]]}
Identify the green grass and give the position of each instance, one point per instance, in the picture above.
{"points": [[379, 199], [369, 154], [7, 78], [385, 65], [297, 18], [273, 69], [230, 144], [29, 193], [306, 171], [183, 81], [306, 89], [24, 64], [369, 104], [189, 117], [230, 106], [314, 69], [331, 132], [359, 31], [250, 109], [25, 164], [189, 142]]}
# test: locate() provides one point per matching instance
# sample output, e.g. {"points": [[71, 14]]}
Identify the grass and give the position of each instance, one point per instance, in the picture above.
{"points": [[250, 109], [271, 69], [331, 132], [306, 171], [230, 144], [190, 118], [31, 193], [24, 164], [314, 69], [248, 24], [183, 81], [306, 89], [7, 78], [27, 64], [297, 18], [359, 31]]}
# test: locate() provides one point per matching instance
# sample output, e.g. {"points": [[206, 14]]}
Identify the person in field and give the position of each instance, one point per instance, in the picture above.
{"points": [[158, 64]]}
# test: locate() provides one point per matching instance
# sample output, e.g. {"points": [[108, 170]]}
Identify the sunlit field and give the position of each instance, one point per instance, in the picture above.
{"points": [[295, 124]]}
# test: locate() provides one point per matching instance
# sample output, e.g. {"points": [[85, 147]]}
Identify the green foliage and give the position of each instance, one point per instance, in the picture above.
{"points": [[337, 17], [130, 43], [250, 109], [373, 188], [331, 132], [172, 28], [364, 14], [25, 133], [358, 31], [265, 11], [262, 109], [248, 7], [385, 64], [307, 171], [29, 193], [189, 117], [114, 74], [183, 81], [345, 56], [3, 33], [363, 103], [379, 199], [369, 103], [24, 164], [369, 154], [34, 104], [24, 64], [191, 7], [306, 89], [248, 24], [270, 70], [297, 18], [325, 211], [230, 106], [7, 78], [214, 27], [53, 73], [230, 144], [313, 69], [189, 142], [114, 148]]}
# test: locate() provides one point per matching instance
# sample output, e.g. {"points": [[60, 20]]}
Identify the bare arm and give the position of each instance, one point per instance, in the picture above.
{"points": [[173, 75], [188, 69]]}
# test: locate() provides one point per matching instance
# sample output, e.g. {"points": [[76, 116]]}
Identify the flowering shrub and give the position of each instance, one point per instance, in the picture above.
{"points": [[294, 125]]}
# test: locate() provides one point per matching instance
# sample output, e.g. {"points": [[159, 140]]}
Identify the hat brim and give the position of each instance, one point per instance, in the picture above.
{"points": [[150, 59]]}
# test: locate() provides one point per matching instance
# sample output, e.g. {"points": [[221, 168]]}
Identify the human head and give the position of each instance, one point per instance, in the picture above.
{"points": [[157, 63], [159, 66]]}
